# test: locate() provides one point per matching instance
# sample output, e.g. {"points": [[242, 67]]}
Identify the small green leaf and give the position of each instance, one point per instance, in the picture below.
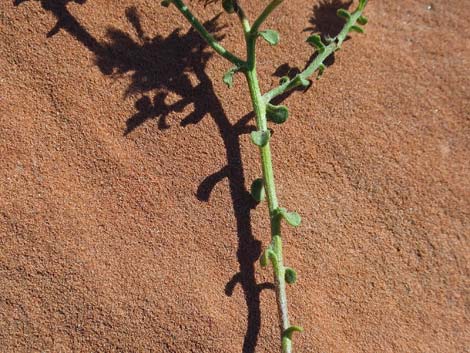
{"points": [[257, 190], [362, 20], [316, 41], [344, 14], [321, 70], [264, 259], [278, 114], [304, 82], [165, 3], [228, 76], [270, 36], [356, 29], [289, 331], [284, 79], [290, 275], [268, 255], [362, 4], [299, 80], [229, 6], [293, 218], [260, 138]]}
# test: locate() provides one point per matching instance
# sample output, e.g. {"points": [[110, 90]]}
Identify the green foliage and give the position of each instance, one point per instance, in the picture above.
{"points": [[278, 114], [344, 14], [321, 70], [228, 76], [292, 218], [269, 255], [356, 29], [290, 275], [290, 331], [260, 138], [287, 337], [362, 20], [270, 36], [267, 112], [315, 41]]}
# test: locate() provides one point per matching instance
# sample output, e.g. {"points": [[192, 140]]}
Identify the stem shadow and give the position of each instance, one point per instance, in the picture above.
{"points": [[154, 73]]}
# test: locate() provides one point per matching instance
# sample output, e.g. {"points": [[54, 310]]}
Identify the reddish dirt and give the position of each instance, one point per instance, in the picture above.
{"points": [[124, 220]]}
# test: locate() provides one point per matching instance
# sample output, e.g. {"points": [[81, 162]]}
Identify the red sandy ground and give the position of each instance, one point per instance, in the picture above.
{"points": [[117, 236]]}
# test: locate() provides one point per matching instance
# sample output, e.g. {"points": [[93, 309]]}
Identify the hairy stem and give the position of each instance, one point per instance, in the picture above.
{"points": [[259, 107]]}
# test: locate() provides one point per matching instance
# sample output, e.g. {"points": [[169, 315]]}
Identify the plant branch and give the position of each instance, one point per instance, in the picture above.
{"points": [[209, 38], [323, 53], [274, 252], [267, 11], [243, 20]]}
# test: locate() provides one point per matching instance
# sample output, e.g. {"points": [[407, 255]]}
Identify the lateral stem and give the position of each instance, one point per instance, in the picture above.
{"points": [[209, 38], [264, 15], [319, 60]]}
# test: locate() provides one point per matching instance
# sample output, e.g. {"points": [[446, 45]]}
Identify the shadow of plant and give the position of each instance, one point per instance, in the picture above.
{"points": [[163, 65], [159, 66]]}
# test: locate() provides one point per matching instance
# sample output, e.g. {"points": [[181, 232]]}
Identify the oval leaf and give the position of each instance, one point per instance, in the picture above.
{"points": [[344, 14], [356, 29], [290, 275], [321, 70], [270, 36], [284, 79], [228, 76], [362, 20], [278, 114], [264, 259], [260, 138], [316, 41], [257, 190], [304, 82], [292, 218]]}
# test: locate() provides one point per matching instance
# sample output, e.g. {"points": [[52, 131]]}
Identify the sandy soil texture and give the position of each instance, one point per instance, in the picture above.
{"points": [[125, 224]]}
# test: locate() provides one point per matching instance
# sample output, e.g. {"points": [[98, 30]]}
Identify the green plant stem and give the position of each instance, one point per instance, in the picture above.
{"points": [[259, 107], [266, 12], [206, 35], [320, 58], [243, 20]]}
